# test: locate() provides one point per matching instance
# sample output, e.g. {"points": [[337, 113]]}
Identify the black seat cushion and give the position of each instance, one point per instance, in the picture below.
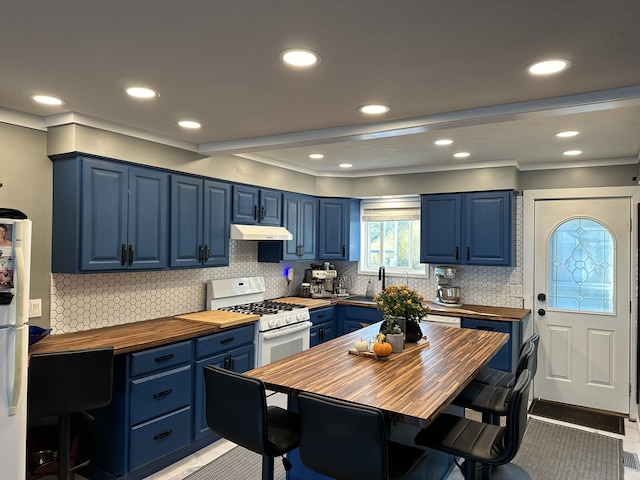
{"points": [[495, 377], [484, 398], [282, 429]]}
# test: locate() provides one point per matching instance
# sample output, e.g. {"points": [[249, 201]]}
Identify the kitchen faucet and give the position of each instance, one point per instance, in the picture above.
{"points": [[382, 276]]}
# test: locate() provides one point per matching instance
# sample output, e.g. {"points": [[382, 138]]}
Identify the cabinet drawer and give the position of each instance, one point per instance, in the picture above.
{"points": [[322, 315], [156, 359], [224, 341], [365, 314], [159, 394], [152, 440]]}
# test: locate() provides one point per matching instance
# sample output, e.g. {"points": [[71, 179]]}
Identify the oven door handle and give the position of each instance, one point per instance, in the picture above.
{"points": [[288, 330]]}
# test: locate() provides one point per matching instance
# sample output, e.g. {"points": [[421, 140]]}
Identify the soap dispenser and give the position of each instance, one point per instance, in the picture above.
{"points": [[369, 293]]}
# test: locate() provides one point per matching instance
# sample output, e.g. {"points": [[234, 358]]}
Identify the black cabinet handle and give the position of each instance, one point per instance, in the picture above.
{"points": [[130, 254], [488, 329], [162, 435], [230, 362], [344, 251], [457, 253], [206, 253], [123, 255], [264, 213], [163, 358], [164, 393], [468, 253], [321, 315], [255, 212], [226, 340], [200, 253], [300, 250]]}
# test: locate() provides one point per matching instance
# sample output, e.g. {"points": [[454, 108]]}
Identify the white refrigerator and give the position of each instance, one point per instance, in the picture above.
{"points": [[15, 262]]}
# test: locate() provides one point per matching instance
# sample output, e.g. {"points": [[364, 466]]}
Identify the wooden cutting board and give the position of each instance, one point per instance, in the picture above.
{"points": [[305, 302], [220, 318]]}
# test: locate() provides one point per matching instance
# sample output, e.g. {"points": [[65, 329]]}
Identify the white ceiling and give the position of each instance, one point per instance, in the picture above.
{"points": [[447, 68]]}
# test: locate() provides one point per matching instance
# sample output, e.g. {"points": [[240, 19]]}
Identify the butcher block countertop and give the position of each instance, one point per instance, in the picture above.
{"points": [[140, 335], [482, 312]]}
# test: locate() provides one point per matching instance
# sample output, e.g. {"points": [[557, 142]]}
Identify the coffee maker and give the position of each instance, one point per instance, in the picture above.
{"points": [[320, 277]]}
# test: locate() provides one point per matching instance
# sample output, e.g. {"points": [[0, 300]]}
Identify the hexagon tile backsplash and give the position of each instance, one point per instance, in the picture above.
{"points": [[82, 302]]}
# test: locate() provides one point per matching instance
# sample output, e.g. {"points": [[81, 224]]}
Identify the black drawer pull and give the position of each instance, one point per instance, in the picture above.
{"points": [[322, 315], [164, 358], [488, 329], [164, 393], [123, 254], [130, 254], [162, 435], [227, 340], [457, 253]]}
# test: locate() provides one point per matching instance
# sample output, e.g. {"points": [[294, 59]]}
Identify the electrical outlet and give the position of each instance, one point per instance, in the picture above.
{"points": [[515, 290], [35, 308]]}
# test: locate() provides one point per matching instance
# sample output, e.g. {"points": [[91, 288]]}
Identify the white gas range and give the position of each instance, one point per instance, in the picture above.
{"points": [[282, 330]]}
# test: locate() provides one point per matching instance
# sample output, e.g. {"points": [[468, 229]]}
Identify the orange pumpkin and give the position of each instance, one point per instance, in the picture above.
{"points": [[382, 349]]}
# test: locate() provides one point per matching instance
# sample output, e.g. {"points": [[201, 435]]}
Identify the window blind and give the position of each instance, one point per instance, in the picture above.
{"points": [[393, 210]]}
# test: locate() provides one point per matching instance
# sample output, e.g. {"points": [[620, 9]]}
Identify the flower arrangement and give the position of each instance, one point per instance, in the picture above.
{"points": [[401, 301]]}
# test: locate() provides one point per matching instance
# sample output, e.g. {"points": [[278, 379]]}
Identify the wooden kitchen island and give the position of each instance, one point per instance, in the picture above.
{"points": [[411, 388]]}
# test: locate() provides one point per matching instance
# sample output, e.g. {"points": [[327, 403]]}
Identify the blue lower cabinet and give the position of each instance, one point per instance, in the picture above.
{"points": [[352, 318], [507, 357], [324, 325]]}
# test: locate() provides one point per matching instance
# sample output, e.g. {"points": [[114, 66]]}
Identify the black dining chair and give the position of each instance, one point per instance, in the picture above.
{"points": [[488, 445], [347, 441], [493, 401], [236, 409], [501, 378], [64, 383]]}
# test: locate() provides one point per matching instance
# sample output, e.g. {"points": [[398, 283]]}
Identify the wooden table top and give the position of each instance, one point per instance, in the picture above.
{"points": [[412, 387]]}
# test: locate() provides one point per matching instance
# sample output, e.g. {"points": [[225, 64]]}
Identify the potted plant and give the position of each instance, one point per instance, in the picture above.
{"points": [[400, 304], [394, 335]]}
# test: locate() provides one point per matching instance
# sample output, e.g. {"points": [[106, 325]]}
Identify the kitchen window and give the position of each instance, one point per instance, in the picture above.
{"points": [[390, 230]]}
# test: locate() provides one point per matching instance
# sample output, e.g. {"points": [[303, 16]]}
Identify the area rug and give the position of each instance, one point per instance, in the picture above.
{"points": [[556, 452], [587, 417], [548, 452]]}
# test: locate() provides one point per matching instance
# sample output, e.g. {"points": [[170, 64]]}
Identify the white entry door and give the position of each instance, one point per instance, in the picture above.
{"points": [[582, 301]]}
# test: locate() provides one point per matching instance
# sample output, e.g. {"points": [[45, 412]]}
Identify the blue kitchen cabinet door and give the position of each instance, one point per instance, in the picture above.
{"points": [[217, 214], [186, 221], [324, 325], [252, 206], [440, 227], [339, 229], [124, 217], [200, 211], [489, 228], [299, 217], [148, 218]]}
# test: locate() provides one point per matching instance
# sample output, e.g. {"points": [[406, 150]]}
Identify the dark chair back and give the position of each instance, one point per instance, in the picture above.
{"points": [[525, 360], [342, 440], [237, 408], [516, 419], [69, 382], [535, 339]]}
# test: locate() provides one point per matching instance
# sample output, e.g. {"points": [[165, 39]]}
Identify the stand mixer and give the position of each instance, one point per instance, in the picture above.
{"points": [[447, 294]]}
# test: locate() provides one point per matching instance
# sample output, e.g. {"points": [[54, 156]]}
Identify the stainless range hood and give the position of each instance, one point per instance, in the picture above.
{"points": [[259, 232]]}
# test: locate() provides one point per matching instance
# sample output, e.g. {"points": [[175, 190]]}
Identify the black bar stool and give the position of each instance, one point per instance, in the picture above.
{"points": [[64, 383], [237, 410], [500, 378], [346, 441], [482, 443]]}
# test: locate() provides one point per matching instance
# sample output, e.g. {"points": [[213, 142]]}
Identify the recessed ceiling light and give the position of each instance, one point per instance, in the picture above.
{"points": [[571, 153], [374, 109], [444, 141], [568, 133], [300, 58], [461, 154], [141, 92], [47, 100], [316, 156], [549, 66], [189, 124], [345, 165]]}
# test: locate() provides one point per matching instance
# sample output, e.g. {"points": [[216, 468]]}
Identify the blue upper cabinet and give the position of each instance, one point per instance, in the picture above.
{"points": [[253, 205], [339, 229], [299, 216], [108, 216], [200, 211], [468, 228]]}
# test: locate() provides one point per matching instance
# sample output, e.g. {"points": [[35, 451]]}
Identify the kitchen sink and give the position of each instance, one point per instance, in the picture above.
{"points": [[367, 300]]}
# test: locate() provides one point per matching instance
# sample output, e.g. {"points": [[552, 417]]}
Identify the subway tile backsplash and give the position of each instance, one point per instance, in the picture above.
{"points": [[82, 302]]}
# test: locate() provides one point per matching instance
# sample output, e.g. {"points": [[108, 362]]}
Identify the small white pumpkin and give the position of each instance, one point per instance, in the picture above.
{"points": [[362, 345]]}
